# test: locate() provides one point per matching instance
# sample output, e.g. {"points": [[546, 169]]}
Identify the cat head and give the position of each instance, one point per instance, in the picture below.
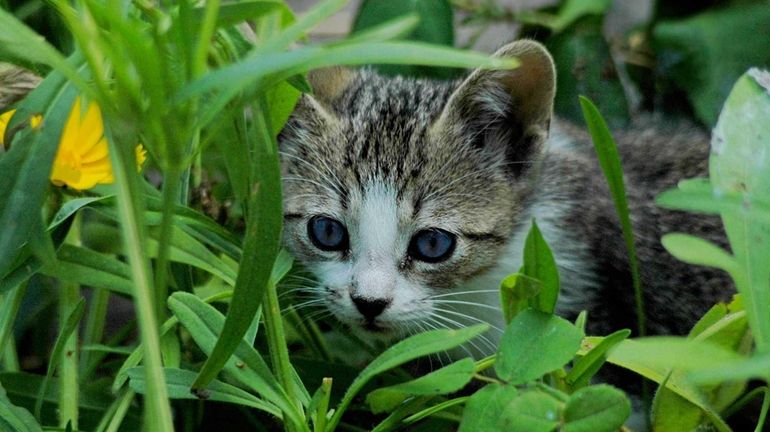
{"points": [[397, 190]]}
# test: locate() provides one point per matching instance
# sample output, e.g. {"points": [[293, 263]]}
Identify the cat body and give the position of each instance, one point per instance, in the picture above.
{"points": [[411, 199]]}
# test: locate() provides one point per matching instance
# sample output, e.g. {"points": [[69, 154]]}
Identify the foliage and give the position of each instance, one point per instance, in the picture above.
{"points": [[206, 97]]}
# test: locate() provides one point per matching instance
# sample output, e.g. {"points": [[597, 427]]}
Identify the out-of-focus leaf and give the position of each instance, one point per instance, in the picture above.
{"points": [[585, 67], [706, 67], [15, 419], [531, 411], [435, 26]]}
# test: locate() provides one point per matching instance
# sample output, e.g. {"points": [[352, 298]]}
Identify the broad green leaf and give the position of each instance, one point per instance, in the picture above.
{"points": [[695, 250], [246, 365], [485, 408], [539, 264], [435, 26], [654, 358], [739, 164], [535, 343], [588, 365], [596, 409], [701, 197], [517, 292], [15, 419], [704, 67], [178, 382], [448, 379], [70, 326], [531, 411], [609, 160], [406, 350]]}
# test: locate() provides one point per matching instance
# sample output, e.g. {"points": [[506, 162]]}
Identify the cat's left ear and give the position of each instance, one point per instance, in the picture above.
{"points": [[506, 111]]}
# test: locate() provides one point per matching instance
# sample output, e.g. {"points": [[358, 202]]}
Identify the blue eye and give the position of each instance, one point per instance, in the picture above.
{"points": [[327, 234], [432, 245]]}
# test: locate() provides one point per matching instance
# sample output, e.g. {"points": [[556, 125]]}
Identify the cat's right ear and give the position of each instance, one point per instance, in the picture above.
{"points": [[506, 112]]}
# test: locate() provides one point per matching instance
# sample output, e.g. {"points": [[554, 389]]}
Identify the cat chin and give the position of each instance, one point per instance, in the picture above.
{"points": [[373, 334]]}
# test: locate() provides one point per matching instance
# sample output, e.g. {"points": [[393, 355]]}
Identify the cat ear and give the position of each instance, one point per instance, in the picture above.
{"points": [[506, 111], [316, 110]]}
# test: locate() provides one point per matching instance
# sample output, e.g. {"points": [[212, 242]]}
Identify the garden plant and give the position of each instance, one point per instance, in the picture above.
{"points": [[142, 175]]}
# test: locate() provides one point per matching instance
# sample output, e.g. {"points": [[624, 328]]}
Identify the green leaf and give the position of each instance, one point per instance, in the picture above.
{"points": [[406, 350], [435, 26], [178, 382], [739, 164], [281, 99], [261, 246], [485, 408], [517, 292], [587, 366], [86, 267], [535, 343], [539, 264], [596, 409], [572, 10], [15, 419], [20, 44], [532, 411], [246, 365], [609, 160], [704, 67], [695, 250], [448, 379], [27, 165], [234, 13], [70, 326]]}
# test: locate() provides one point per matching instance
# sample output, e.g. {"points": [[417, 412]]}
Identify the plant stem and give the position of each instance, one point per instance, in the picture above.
{"points": [[763, 413], [97, 313], [11, 302], [10, 357], [169, 199], [129, 202], [69, 296], [276, 341]]}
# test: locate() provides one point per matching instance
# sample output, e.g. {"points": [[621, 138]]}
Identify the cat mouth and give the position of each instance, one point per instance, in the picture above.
{"points": [[373, 327]]}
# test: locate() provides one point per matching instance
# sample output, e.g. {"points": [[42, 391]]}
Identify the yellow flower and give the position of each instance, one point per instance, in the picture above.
{"points": [[5, 118], [83, 159]]}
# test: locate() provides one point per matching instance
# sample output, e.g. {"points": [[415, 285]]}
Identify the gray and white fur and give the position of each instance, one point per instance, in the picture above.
{"points": [[479, 158]]}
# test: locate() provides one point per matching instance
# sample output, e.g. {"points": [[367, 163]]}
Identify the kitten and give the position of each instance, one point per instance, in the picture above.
{"points": [[410, 200]]}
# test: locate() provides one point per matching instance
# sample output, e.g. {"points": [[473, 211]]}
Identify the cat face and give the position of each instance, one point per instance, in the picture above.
{"points": [[397, 191]]}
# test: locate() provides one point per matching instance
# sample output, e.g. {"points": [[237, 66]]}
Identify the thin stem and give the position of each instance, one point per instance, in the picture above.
{"points": [[69, 296], [169, 200], [206, 33], [10, 308], [97, 314], [763, 413], [129, 201], [10, 357], [276, 341]]}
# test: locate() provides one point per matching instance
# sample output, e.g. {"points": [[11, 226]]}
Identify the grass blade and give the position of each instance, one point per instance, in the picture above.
{"points": [[609, 159]]}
